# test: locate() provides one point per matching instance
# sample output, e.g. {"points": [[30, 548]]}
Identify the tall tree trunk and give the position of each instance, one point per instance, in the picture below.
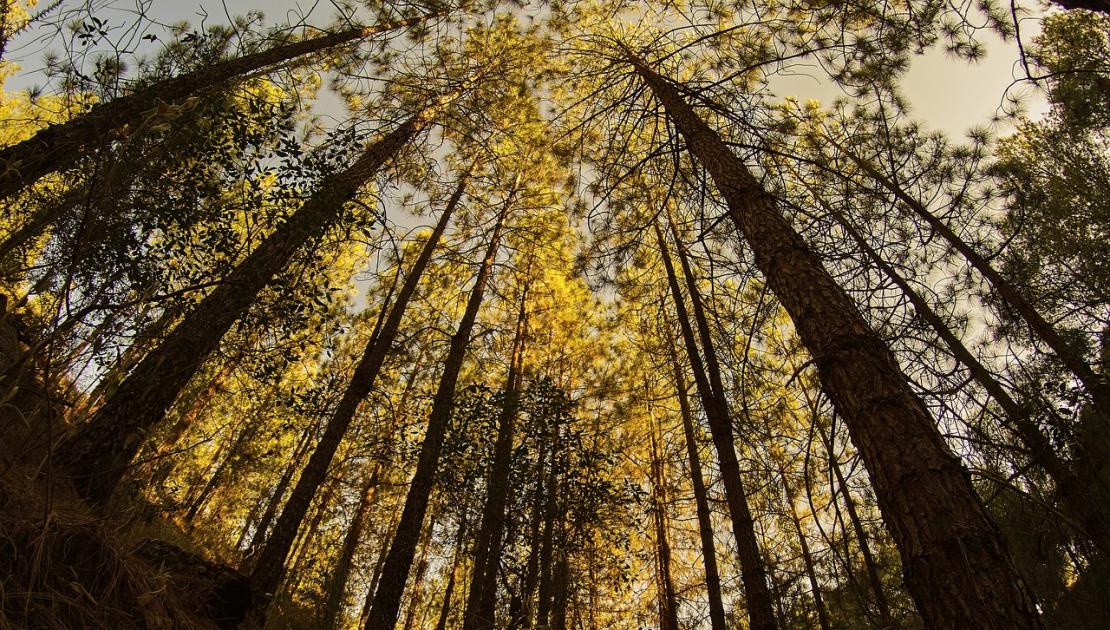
{"points": [[753, 572], [379, 566], [807, 556], [270, 567], [1094, 382], [954, 558], [1089, 513], [547, 540], [668, 603], [560, 586], [417, 597], [482, 596], [337, 582], [449, 591], [885, 617], [59, 146], [387, 600], [97, 455], [525, 615], [701, 497], [263, 528]]}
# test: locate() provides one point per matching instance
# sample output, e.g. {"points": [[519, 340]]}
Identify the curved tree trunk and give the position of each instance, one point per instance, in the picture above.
{"points": [[954, 558]]}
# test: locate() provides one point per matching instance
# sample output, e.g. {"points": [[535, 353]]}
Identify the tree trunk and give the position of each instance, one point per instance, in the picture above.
{"points": [[418, 583], [524, 616], [387, 600], [99, 452], [482, 596], [270, 567], [379, 566], [272, 506], [1088, 512], [753, 573], [60, 146], [337, 582], [807, 556], [954, 558], [701, 497], [1095, 383], [449, 591], [872, 567], [668, 604]]}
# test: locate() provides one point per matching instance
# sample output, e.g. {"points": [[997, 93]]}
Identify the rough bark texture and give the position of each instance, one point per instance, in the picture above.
{"points": [[761, 614], [270, 567], [387, 599], [58, 147], [701, 497], [955, 561], [99, 452]]}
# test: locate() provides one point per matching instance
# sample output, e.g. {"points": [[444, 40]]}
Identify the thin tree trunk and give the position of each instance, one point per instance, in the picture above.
{"points": [[262, 530], [885, 618], [418, 583], [954, 558], [270, 567], [531, 571], [753, 572], [59, 146], [387, 600], [1089, 513], [701, 497], [1095, 383], [337, 582], [449, 591], [544, 597], [379, 566], [668, 603], [560, 584], [482, 596], [807, 556], [98, 453]]}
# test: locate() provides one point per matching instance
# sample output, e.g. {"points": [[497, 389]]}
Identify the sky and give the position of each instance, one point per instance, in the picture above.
{"points": [[945, 93]]}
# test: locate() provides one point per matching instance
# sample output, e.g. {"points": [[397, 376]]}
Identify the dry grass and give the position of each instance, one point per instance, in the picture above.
{"points": [[62, 566]]}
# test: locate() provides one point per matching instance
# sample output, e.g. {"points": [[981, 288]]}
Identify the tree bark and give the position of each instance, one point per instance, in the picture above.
{"points": [[269, 569], [60, 146], [1095, 383], [761, 614], [668, 603], [955, 561], [482, 596], [97, 455], [1090, 513], [701, 497], [387, 600]]}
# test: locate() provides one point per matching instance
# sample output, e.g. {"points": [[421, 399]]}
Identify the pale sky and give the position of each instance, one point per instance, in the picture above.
{"points": [[945, 93]]}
